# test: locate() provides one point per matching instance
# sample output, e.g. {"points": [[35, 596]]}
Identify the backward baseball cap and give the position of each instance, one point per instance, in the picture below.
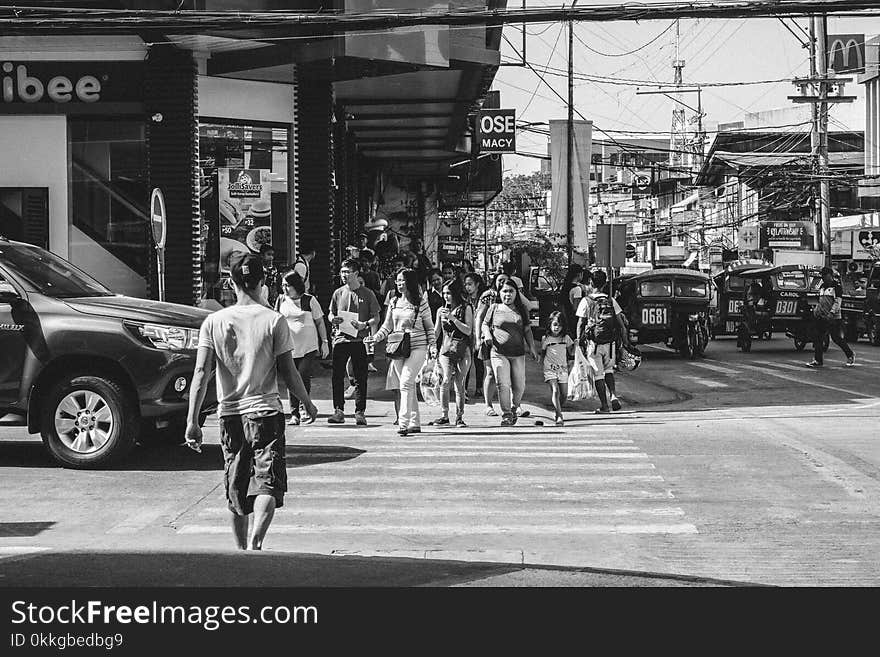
{"points": [[247, 270]]}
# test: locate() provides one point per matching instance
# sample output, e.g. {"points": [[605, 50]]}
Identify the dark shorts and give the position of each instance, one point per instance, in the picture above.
{"points": [[253, 451]]}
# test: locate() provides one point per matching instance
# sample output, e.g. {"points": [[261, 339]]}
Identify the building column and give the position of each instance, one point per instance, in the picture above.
{"points": [[171, 101]]}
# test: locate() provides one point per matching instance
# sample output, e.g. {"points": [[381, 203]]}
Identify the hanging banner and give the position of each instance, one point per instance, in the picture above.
{"points": [[580, 176], [245, 204]]}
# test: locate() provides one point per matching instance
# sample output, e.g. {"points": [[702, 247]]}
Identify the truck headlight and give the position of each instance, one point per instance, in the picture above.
{"points": [[173, 338]]}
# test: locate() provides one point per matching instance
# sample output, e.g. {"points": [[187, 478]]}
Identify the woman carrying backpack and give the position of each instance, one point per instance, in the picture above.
{"points": [[305, 319], [452, 330], [506, 329]]}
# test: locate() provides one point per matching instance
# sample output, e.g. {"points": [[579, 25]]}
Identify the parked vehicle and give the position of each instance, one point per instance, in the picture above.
{"points": [[730, 293], [788, 294], [86, 368], [668, 306], [861, 306]]}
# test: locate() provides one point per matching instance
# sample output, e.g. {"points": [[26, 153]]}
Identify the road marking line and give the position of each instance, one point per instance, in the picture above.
{"points": [[675, 528], [139, 521], [715, 368], [458, 511], [658, 348], [704, 382], [312, 496], [783, 366], [336, 475], [496, 465], [372, 457], [9, 551], [418, 445], [807, 383]]}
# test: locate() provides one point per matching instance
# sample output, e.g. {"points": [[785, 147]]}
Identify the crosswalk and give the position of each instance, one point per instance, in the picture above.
{"points": [[449, 484]]}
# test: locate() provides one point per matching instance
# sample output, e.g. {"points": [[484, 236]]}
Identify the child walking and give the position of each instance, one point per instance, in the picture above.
{"points": [[554, 349]]}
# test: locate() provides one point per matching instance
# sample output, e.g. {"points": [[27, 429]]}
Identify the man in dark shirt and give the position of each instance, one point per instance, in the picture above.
{"points": [[829, 320], [435, 291]]}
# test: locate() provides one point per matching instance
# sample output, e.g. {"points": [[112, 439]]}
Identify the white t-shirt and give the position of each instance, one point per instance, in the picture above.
{"points": [[302, 323], [246, 341]]}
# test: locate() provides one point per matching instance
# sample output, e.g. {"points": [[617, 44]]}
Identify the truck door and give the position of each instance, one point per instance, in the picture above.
{"points": [[12, 345]]}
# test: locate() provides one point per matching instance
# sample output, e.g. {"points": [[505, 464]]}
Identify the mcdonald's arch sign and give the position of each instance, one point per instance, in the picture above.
{"points": [[846, 53]]}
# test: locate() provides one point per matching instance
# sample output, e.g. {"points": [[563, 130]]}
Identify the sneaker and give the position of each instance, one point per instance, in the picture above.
{"points": [[293, 421], [359, 418], [507, 421], [460, 423], [851, 361], [371, 368], [813, 363], [338, 417], [602, 411], [522, 413], [440, 421], [402, 431], [491, 411], [615, 404], [350, 391]]}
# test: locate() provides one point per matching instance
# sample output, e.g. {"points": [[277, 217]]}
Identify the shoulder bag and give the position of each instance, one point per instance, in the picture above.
{"points": [[397, 345], [455, 343]]}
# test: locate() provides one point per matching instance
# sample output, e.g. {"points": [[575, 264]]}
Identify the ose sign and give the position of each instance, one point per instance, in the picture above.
{"points": [[496, 129]]}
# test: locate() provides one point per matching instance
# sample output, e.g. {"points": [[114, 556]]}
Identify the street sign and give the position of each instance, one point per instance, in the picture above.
{"points": [[158, 220], [610, 245], [630, 251], [496, 130], [159, 226], [786, 234], [450, 249]]}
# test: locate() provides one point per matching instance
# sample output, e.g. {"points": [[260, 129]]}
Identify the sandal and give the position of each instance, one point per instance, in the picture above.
{"points": [[491, 412]]}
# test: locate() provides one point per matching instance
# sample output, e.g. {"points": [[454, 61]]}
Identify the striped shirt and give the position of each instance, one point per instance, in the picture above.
{"points": [[403, 316]]}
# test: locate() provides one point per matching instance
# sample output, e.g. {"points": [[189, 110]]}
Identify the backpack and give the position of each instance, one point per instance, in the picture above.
{"points": [[604, 321]]}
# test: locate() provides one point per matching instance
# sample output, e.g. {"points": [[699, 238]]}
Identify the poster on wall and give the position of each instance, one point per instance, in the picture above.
{"points": [[245, 206], [866, 244]]}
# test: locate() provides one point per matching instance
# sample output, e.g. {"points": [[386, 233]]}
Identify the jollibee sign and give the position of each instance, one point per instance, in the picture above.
{"points": [[27, 86]]}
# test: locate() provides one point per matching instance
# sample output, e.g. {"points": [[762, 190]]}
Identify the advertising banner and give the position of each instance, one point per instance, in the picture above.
{"points": [[786, 234], [580, 176], [866, 244], [245, 205]]}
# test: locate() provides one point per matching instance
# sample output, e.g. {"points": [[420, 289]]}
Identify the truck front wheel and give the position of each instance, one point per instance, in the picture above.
{"points": [[88, 422]]}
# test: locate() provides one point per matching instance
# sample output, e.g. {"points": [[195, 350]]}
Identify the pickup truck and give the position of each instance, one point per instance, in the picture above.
{"points": [[91, 371]]}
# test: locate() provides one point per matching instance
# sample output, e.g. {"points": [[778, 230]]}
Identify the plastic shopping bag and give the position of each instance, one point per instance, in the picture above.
{"points": [[430, 379], [580, 379]]}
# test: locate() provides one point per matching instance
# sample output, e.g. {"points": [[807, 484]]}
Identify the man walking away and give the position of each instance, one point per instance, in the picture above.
{"points": [[250, 344], [303, 264], [829, 320], [354, 314], [603, 324]]}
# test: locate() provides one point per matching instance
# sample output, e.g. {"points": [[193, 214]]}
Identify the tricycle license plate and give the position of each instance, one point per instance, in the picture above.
{"points": [[655, 316], [735, 306], [786, 307]]}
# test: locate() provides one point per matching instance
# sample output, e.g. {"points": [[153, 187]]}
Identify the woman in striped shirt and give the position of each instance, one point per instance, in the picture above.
{"points": [[409, 312]]}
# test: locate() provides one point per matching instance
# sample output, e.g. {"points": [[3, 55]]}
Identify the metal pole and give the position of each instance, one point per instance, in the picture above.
{"points": [[485, 242], [824, 187], [814, 140], [569, 216]]}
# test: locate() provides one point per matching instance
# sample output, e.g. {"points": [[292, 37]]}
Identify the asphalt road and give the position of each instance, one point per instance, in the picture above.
{"points": [[736, 467]]}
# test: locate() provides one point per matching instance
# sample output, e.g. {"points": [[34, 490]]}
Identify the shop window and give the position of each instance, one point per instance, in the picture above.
{"points": [[229, 150], [109, 197]]}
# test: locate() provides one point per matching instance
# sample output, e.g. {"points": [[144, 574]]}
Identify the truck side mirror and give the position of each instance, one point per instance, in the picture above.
{"points": [[8, 293]]}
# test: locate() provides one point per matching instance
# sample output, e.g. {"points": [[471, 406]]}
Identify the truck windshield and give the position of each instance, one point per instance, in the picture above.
{"points": [[48, 274]]}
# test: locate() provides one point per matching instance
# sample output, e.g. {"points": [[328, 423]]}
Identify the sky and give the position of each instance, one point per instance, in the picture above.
{"points": [[714, 50]]}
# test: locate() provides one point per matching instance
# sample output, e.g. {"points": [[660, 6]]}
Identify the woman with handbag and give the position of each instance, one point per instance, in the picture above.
{"points": [[452, 330], [506, 329], [409, 330]]}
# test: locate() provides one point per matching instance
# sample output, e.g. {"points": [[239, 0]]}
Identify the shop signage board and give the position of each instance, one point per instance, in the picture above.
{"points": [[610, 245], [496, 130], [786, 235], [35, 87], [866, 244], [450, 249], [748, 238], [245, 206]]}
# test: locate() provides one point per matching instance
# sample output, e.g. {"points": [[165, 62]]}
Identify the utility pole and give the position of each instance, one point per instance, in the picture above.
{"points": [[815, 90], [569, 211], [814, 141], [485, 240]]}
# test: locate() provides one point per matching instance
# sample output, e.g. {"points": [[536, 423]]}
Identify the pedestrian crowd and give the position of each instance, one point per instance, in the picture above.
{"points": [[444, 324]]}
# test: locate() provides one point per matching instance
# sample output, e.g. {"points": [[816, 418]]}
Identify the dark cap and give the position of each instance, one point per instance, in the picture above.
{"points": [[247, 271], [826, 271]]}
